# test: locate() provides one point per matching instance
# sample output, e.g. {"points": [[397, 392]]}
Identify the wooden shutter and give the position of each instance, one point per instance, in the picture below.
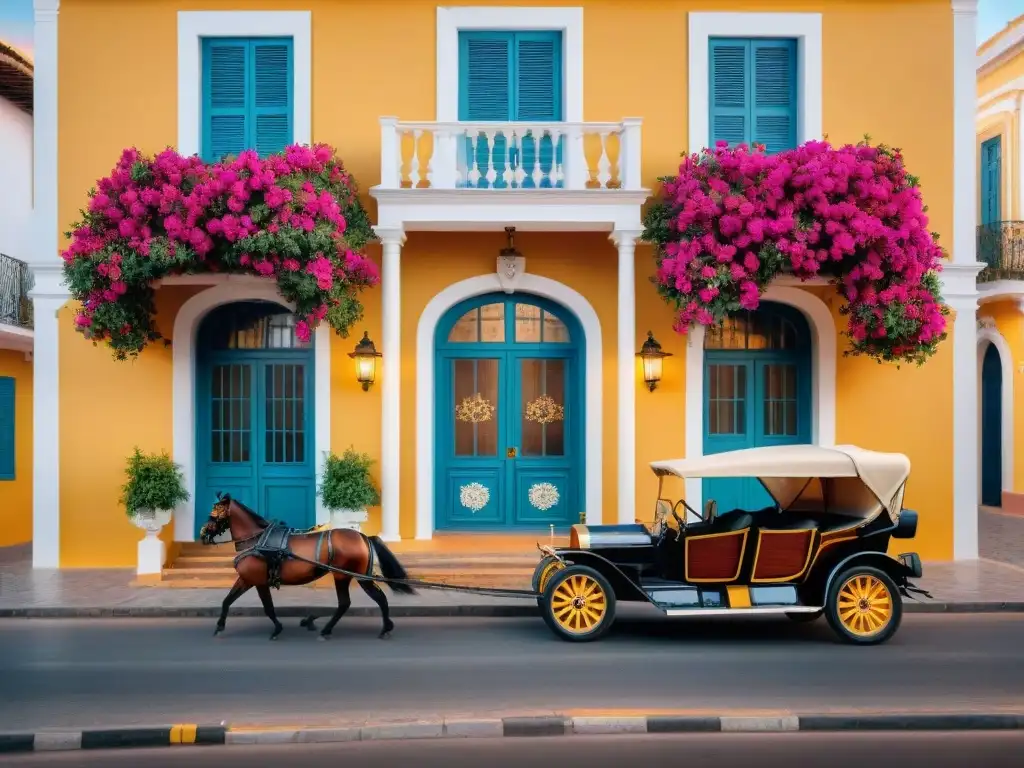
{"points": [[729, 90], [272, 95], [485, 76], [7, 446], [225, 113], [247, 96], [991, 180], [538, 94], [774, 94], [538, 80]]}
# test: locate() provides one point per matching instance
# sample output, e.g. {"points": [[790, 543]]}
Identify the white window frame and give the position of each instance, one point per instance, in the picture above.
{"points": [[193, 26], [804, 27], [452, 20]]}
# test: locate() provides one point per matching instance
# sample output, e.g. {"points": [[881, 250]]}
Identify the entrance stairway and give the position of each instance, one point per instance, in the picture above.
{"points": [[476, 560]]}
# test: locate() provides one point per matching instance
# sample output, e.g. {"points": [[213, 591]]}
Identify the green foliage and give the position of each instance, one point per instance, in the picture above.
{"points": [[347, 483], [154, 482]]}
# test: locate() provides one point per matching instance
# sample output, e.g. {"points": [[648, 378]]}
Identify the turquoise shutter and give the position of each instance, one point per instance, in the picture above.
{"points": [[486, 64], [225, 116], [247, 96], [991, 180], [538, 94], [272, 95], [774, 94], [6, 428], [729, 91]]}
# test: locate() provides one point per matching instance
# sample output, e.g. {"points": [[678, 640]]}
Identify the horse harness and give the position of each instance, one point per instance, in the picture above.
{"points": [[273, 545]]}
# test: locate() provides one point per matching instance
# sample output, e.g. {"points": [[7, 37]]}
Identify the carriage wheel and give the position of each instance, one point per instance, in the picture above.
{"points": [[578, 604], [547, 567], [863, 606]]}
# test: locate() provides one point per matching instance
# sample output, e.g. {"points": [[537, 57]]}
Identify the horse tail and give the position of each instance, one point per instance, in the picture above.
{"points": [[390, 568]]}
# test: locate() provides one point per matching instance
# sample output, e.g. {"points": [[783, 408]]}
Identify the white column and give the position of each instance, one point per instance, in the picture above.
{"points": [[961, 295], [391, 382], [959, 283], [625, 241], [48, 293], [48, 296]]}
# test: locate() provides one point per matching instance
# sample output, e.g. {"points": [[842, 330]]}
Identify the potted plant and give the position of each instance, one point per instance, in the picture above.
{"points": [[154, 487], [348, 489]]}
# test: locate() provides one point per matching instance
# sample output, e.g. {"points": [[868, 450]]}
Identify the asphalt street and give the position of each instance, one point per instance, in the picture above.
{"points": [[121, 672], [935, 750]]}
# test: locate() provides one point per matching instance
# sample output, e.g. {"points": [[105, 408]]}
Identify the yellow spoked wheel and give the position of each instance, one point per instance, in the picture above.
{"points": [[864, 606], [578, 603], [545, 569]]}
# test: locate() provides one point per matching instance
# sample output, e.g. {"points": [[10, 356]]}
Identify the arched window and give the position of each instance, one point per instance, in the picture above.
{"points": [[250, 325], [486, 324]]}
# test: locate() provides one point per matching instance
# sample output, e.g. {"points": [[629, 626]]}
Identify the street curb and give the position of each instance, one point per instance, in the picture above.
{"points": [[461, 728], [476, 610]]}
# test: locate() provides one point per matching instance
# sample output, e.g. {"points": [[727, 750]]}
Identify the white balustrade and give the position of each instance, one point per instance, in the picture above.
{"points": [[507, 156]]}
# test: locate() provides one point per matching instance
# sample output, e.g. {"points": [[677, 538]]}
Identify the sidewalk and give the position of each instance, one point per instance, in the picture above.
{"points": [[970, 586]]}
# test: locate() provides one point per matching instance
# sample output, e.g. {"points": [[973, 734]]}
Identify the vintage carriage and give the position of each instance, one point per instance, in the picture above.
{"points": [[821, 547]]}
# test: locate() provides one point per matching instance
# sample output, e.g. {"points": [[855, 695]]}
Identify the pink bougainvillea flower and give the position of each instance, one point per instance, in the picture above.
{"points": [[732, 219], [167, 214]]}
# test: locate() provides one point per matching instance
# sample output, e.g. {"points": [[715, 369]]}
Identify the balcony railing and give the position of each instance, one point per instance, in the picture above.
{"points": [[509, 156], [15, 283], [1001, 248]]}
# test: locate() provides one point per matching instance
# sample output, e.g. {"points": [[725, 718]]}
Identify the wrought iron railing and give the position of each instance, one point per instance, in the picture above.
{"points": [[15, 283], [1001, 249]]}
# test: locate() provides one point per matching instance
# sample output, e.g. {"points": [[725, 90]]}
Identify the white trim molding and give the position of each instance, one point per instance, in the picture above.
{"points": [[186, 324], [593, 373], [453, 19], [805, 27], [986, 337], [193, 26], [824, 355]]}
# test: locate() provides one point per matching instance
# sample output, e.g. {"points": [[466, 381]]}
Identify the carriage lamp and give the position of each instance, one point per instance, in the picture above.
{"points": [[365, 354], [652, 356]]}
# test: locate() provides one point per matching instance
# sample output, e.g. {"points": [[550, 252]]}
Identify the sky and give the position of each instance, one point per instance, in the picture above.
{"points": [[16, 20]]}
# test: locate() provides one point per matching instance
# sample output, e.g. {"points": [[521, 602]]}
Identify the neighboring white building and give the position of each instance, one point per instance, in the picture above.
{"points": [[15, 152]]}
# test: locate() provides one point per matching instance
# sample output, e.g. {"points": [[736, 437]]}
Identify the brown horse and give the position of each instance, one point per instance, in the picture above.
{"points": [[341, 548]]}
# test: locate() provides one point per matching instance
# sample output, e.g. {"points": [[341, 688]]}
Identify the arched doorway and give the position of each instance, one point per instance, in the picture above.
{"points": [[992, 428], [254, 413], [757, 391], [510, 414]]}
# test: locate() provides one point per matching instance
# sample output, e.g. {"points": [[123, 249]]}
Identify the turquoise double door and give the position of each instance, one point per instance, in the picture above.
{"points": [[254, 409], [757, 392], [509, 419]]}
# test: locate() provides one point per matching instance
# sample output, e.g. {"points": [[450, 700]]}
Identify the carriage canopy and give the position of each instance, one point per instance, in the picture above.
{"points": [[841, 477]]}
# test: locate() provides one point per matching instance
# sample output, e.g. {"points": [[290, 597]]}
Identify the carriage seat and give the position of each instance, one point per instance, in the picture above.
{"points": [[733, 520]]}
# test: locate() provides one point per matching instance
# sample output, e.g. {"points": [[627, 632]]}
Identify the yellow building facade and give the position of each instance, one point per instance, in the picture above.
{"points": [[1000, 79], [385, 87]]}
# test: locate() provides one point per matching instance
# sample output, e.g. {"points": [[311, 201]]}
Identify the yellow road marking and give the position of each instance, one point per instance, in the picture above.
{"points": [[184, 734]]}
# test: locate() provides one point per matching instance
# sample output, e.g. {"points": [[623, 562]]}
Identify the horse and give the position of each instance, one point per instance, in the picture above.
{"points": [[267, 556]]}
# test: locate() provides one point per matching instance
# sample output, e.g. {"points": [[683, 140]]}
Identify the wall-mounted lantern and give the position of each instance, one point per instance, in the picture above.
{"points": [[651, 355], [365, 354]]}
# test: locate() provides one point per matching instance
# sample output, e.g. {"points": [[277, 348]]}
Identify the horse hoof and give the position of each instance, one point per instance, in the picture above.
{"points": [[217, 632], [385, 635], [323, 638]]}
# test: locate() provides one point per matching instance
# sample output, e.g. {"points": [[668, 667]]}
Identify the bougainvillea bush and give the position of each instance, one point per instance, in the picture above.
{"points": [[733, 219], [292, 217]]}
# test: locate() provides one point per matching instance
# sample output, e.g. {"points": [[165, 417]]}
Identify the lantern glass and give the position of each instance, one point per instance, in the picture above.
{"points": [[652, 369], [366, 369]]}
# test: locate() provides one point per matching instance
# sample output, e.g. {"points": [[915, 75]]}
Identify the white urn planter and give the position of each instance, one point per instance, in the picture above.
{"points": [[349, 518], [151, 550]]}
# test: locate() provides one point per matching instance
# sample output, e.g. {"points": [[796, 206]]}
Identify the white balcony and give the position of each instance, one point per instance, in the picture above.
{"points": [[482, 176]]}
